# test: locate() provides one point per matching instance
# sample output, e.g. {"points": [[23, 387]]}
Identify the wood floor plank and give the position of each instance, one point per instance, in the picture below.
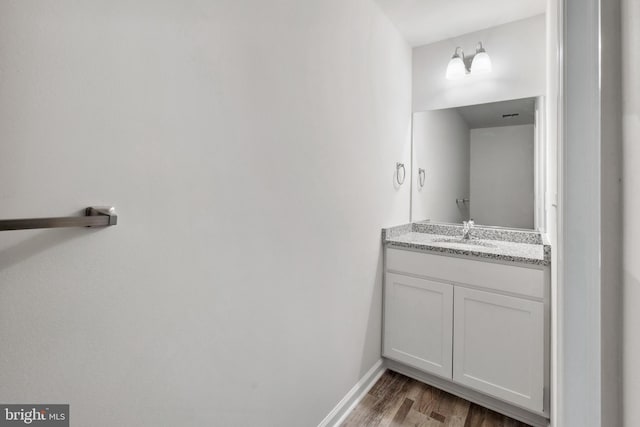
{"points": [[402, 413], [509, 422], [398, 401], [418, 419], [445, 404], [416, 389], [493, 419], [382, 402], [458, 412], [475, 416], [386, 382], [429, 400], [387, 418]]}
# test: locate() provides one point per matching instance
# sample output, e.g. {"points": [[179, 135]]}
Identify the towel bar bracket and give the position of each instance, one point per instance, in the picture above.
{"points": [[108, 211]]}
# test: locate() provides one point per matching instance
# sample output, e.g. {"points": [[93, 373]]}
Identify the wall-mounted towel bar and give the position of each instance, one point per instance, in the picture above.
{"points": [[404, 173], [94, 217], [422, 177]]}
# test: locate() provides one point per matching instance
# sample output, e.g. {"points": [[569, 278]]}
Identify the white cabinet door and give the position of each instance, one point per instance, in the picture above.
{"points": [[499, 346], [418, 323]]}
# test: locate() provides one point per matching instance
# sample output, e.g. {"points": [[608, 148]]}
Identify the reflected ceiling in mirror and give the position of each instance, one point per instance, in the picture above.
{"points": [[478, 162]]}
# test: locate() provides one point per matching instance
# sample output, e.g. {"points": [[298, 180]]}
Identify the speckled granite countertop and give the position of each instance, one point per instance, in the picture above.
{"points": [[518, 246]]}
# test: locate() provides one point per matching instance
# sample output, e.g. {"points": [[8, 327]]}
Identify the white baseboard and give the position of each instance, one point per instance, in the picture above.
{"points": [[354, 396]]}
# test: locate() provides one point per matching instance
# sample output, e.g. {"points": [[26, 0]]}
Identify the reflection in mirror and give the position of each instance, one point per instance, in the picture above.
{"points": [[479, 163]]}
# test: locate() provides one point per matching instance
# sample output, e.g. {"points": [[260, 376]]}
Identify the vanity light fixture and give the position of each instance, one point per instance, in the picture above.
{"points": [[480, 63], [456, 68]]}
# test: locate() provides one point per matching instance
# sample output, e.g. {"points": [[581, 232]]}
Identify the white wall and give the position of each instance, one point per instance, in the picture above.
{"points": [[502, 176], [552, 108], [580, 219], [441, 147], [518, 56], [631, 207], [250, 149]]}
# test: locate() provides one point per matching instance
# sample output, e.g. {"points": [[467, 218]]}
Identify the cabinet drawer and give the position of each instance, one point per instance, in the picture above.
{"points": [[523, 281]]}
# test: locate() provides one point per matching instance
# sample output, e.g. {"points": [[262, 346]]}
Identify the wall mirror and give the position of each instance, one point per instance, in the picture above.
{"points": [[483, 162]]}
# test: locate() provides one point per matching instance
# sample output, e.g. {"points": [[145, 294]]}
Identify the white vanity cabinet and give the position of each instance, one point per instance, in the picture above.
{"points": [[478, 324], [419, 323], [499, 346]]}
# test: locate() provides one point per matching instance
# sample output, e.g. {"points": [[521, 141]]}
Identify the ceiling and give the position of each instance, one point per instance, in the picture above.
{"points": [[427, 21], [492, 114]]}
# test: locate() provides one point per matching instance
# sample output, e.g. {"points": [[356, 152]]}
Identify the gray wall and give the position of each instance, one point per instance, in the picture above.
{"points": [[631, 207], [502, 176], [441, 147], [250, 149], [517, 53], [611, 211]]}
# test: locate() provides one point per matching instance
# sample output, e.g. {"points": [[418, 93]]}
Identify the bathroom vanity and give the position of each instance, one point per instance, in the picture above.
{"points": [[470, 317]]}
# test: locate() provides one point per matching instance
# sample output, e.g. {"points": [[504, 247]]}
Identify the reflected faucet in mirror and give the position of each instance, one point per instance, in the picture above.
{"points": [[466, 229]]}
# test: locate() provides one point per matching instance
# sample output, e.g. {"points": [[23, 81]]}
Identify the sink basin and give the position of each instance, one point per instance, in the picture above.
{"points": [[458, 241]]}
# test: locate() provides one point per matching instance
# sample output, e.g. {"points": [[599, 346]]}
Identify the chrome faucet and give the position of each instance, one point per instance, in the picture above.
{"points": [[466, 229]]}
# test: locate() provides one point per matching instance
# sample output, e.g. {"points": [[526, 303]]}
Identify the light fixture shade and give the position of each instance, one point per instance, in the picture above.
{"points": [[481, 63], [456, 68]]}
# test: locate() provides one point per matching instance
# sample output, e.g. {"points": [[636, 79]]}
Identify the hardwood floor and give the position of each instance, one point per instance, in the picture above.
{"points": [[396, 400]]}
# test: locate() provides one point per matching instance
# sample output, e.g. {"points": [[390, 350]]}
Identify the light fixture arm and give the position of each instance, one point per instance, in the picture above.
{"points": [[466, 60], [459, 53]]}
